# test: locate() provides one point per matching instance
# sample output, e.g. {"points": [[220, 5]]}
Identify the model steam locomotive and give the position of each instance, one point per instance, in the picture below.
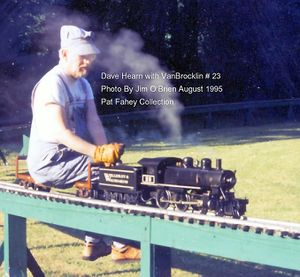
{"points": [[170, 181], [163, 182]]}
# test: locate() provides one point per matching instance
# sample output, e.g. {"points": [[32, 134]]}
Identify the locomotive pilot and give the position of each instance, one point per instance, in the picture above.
{"points": [[66, 132]]}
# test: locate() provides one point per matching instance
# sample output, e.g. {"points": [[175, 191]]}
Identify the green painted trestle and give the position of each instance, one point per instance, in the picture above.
{"points": [[156, 235]]}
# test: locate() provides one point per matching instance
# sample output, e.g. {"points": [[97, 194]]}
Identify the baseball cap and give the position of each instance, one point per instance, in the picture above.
{"points": [[77, 40]]}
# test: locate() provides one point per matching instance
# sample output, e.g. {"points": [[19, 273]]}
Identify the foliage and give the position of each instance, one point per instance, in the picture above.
{"points": [[254, 44], [23, 25]]}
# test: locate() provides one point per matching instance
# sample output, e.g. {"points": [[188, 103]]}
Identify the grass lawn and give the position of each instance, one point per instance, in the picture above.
{"points": [[266, 159]]}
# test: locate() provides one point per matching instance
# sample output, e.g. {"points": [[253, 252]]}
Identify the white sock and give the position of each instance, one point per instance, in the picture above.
{"points": [[89, 239], [118, 245]]}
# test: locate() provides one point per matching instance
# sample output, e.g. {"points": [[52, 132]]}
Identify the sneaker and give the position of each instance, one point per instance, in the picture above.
{"points": [[93, 251], [125, 254]]}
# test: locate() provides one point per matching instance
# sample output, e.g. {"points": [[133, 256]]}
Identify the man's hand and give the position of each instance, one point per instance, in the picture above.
{"points": [[108, 153]]}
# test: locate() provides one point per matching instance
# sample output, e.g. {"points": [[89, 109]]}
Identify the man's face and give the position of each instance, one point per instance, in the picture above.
{"points": [[79, 65]]}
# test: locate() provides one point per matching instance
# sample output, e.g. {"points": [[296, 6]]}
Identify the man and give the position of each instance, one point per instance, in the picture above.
{"points": [[66, 132]]}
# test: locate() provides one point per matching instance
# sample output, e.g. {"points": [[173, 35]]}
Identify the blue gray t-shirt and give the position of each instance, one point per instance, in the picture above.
{"points": [[48, 161]]}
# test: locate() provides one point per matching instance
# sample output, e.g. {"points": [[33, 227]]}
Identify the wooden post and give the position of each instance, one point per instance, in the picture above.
{"points": [[146, 268], [155, 260], [15, 251]]}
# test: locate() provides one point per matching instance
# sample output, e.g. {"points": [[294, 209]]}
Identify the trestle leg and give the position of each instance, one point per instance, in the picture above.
{"points": [[155, 260], [15, 250]]}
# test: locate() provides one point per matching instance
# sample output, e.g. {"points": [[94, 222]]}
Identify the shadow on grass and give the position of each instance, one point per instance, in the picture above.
{"points": [[81, 235], [113, 273], [214, 267], [66, 230], [40, 247]]}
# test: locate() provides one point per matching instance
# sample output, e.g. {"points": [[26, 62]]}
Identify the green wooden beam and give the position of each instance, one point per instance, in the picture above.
{"points": [[91, 219], [154, 232], [234, 244]]}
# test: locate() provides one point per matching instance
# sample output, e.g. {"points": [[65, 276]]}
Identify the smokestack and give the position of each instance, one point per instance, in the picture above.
{"points": [[218, 164]]}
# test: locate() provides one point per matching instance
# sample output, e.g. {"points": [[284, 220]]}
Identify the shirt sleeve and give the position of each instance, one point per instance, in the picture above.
{"points": [[88, 89], [51, 90]]}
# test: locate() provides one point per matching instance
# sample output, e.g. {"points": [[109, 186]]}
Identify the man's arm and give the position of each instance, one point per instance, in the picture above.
{"points": [[55, 114], [94, 124], [51, 122]]}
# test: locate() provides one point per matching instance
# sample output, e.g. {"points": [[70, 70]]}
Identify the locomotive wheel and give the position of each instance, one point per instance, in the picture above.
{"points": [[27, 185], [204, 210], [118, 197], [83, 193], [147, 198], [107, 196], [182, 198], [22, 183], [94, 194], [130, 199], [38, 187], [163, 198], [236, 214], [152, 203], [220, 212], [86, 193]]}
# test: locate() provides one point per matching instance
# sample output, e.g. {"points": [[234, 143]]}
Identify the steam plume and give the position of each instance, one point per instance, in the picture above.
{"points": [[123, 53]]}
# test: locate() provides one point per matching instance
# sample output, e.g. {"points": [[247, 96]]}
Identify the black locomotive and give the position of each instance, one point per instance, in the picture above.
{"points": [[169, 181], [160, 182]]}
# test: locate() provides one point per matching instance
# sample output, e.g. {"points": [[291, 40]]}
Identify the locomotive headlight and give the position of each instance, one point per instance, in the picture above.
{"points": [[229, 180]]}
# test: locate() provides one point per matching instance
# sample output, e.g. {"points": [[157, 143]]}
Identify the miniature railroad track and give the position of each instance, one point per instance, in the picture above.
{"points": [[259, 226]]}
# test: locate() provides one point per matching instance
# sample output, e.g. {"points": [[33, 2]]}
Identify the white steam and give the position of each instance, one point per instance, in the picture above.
{"points": [[123, 53]]}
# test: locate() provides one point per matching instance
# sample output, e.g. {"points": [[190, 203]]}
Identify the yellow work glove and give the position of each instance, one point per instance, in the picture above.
{"points": [[108, 153]]}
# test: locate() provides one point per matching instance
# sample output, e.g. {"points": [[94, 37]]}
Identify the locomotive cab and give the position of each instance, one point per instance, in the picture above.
{"points": [[154, 168]]}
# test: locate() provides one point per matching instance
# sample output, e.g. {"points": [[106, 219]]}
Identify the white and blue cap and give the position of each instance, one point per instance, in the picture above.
{"points": [[77, 40]]}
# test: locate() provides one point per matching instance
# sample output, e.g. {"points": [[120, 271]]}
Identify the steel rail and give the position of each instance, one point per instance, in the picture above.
{"points": [[270, 227]]}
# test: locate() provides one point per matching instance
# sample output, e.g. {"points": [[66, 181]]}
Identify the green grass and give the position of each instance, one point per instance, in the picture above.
{"points": [[266, 159]]}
